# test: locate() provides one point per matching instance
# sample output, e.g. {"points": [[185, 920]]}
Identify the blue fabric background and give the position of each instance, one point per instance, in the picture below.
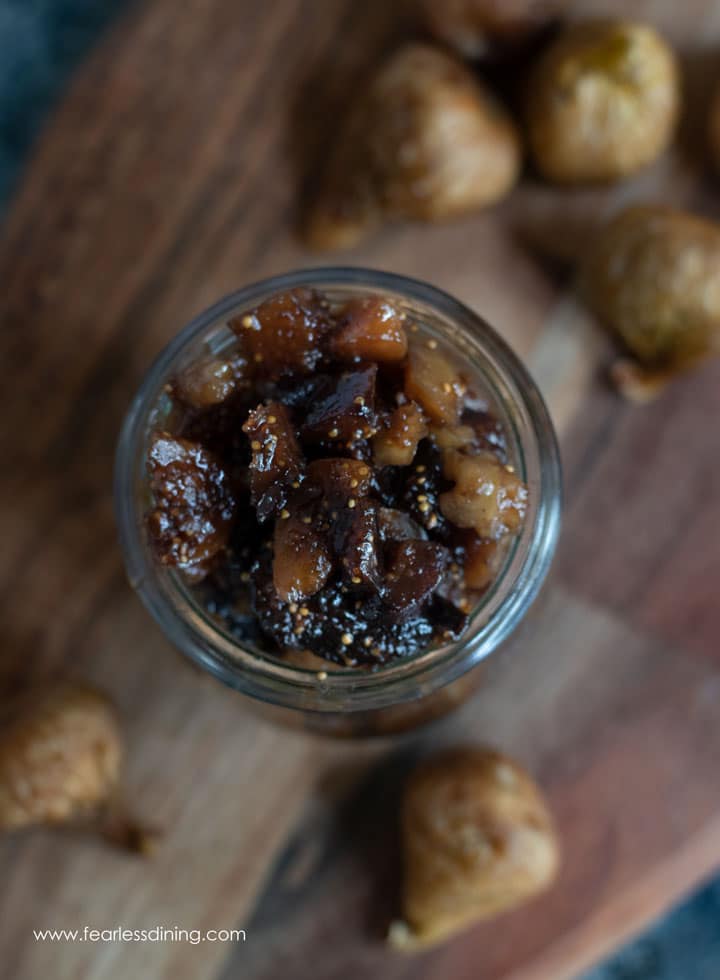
{"points": [[41, 41]]}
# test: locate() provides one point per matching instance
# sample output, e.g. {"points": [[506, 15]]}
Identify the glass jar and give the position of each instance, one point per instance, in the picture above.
{"points": [[340, 700]]}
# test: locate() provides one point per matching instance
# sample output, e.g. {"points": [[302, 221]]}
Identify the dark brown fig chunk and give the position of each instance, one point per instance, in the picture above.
{"points": [[277, 460], [396, 525], [337, 624], [487, 497], [301, 559], [449, 621], [489, 433], [357, 541], [219, 428], [370, 329], [345, 413], [283, 334], [432, 380], [396, 443], [190, 522], [414, 571], [206, 382], [339, 480], [423, 485]]}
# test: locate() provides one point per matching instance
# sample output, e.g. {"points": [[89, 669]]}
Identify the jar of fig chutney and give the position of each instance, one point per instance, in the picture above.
{"points": [[341, 695]]}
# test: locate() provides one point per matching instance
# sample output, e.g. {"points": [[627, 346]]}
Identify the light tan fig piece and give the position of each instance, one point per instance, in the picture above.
{"points": [[602, 102], [61, 756], [478, 840], [653, 276], [474, 27], [426, 141]]}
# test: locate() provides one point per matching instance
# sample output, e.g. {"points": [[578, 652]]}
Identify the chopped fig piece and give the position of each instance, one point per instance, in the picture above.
{"points": [[396, 525], [603, 102], [652, 277], [371, 329], [219, 428], [205, 383], [433, 381], [483, 559], [453, 436], [450, 622], [423, 486], [476, 432], [339, 480], [346, 413], [487, 495], [396, 444], [276, 457], [356, 542], [282, 335], [194, 574], [301, 562], [414, 572], [300, 394], [193, 503]]}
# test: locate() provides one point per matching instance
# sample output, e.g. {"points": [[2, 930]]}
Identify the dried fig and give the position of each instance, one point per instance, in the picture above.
{"points": [[475, 27], [61, 755], [602, 102], [337, 480], [425, 141], [478, 839], [653, 276]]}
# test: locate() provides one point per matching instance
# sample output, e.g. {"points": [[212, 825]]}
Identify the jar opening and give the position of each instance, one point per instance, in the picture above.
{"points": [[263, 675]]}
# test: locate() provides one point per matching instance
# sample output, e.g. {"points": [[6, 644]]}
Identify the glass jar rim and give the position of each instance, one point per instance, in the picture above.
{"points": [[269, 679]]}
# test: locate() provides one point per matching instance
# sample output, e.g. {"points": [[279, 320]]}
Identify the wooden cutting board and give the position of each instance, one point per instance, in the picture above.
{"points": [[169, 176]]}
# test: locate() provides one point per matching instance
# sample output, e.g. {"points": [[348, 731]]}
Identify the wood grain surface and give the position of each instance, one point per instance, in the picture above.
{"points": [[169, 176]]}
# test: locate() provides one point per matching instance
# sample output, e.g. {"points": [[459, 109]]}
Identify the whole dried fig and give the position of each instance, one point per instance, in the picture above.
{"points": [[653, 276], [478, 839], [475, 27], [425, 141], [61, 755], [603, 101]]}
